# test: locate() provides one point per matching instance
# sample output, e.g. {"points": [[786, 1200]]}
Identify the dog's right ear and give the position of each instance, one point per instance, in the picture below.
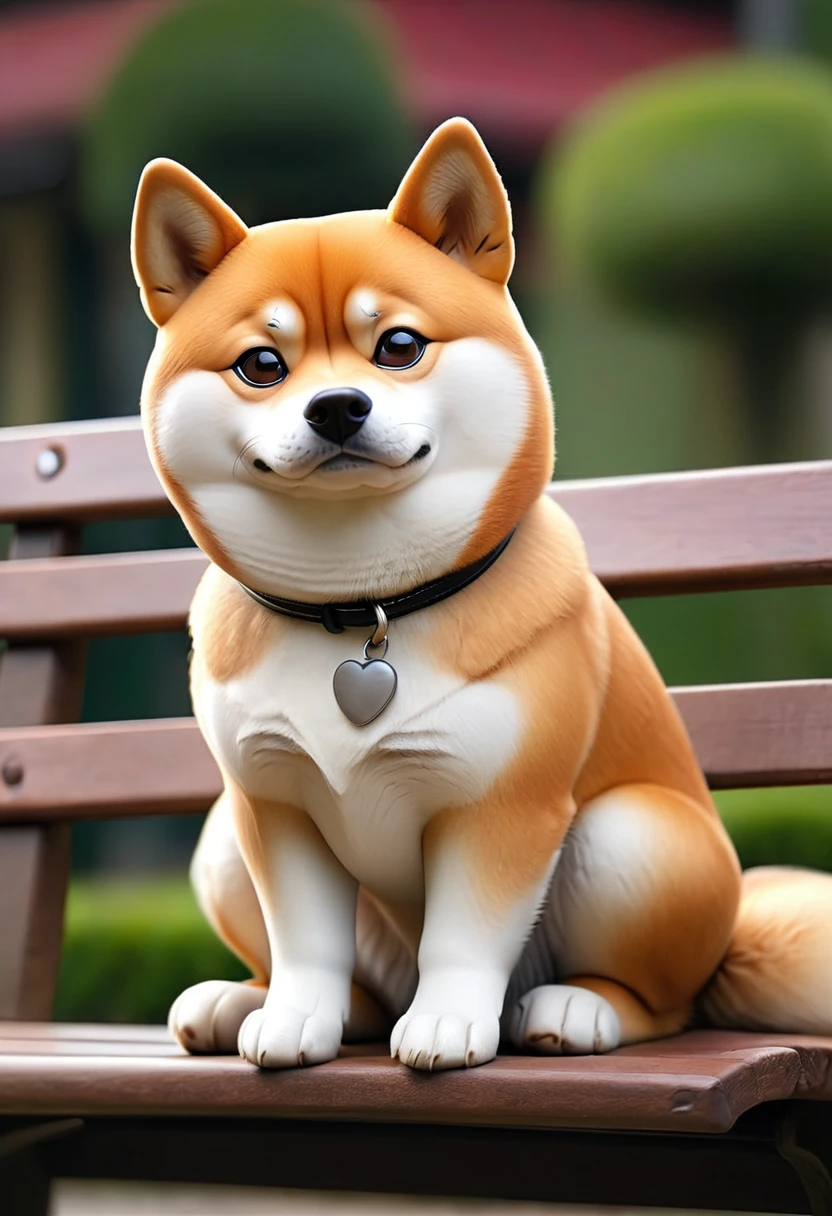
{"points": [[181, 232]]}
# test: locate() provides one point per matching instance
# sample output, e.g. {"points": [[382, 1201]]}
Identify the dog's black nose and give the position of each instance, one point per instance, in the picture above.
{"points": [[337, 413]]}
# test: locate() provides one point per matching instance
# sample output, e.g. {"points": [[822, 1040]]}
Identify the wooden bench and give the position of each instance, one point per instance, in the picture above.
{"points": [[704, 1120]]}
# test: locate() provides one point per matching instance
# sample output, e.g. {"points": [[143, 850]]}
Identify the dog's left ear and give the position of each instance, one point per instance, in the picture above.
{"points": [[452, 196]]}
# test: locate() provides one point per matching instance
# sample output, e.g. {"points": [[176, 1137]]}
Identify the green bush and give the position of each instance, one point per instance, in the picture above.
{"points": [[284, 107], [704, 191], [780, 826], [703, 194], [130, 948]]}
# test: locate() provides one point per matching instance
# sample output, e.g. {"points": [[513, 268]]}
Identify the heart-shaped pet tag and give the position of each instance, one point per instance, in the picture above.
{"points": [[363, 690]]}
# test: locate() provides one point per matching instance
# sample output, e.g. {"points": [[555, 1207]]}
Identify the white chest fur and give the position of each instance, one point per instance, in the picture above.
{"points": [[440, 742]]}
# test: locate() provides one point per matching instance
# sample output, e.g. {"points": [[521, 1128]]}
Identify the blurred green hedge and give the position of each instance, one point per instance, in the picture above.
{"points": [[130, 948], [285, 108], [702, 191], [790, 827]]}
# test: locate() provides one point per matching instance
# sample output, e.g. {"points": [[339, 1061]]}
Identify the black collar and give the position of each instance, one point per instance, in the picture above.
{"points": [[361, 614]]}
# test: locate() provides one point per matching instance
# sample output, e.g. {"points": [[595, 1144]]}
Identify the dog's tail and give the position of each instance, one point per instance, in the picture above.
{"points": [[777, 974]]}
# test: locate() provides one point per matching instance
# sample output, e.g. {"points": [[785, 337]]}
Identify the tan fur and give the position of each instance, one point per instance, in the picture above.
{"points": [[665, 945], [181, 232], [638, 1023], [453, 198], [228, 900], [229, 629], [556, 663], [250, 818], [599, 719], [541, 580], [776, 974]]}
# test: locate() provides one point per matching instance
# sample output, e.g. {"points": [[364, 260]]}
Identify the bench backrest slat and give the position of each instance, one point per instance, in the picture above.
{"points": [[743, 734], [120, 593], [104, 473], [651, 535], [645, 536]]}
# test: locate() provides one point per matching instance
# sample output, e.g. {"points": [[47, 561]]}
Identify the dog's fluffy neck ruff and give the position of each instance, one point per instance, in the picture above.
{"points": [[309, 551]]}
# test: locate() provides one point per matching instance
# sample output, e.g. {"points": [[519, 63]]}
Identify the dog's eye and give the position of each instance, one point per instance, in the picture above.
{"points": [[399, 348], [262, 367]]}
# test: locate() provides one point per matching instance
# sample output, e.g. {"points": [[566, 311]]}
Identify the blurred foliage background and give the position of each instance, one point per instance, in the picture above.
{"points": [[670, 169]]}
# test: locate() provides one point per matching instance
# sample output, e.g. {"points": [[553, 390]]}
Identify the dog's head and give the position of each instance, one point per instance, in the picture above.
{"points": [[345, 406]]}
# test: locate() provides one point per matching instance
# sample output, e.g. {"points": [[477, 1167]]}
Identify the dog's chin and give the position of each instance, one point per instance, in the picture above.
{"points": [[348, 476]]}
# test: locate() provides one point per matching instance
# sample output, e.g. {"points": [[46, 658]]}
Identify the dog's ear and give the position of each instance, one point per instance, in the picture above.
{"points": [[452, 196], [181, 232]]}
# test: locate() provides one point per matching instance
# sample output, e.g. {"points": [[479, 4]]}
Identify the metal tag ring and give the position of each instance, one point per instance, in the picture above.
{"points": [[370, 643], [380, 631]]}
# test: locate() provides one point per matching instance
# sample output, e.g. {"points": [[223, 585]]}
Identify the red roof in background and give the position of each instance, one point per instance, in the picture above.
{"points": [[517, 67], [54, 60], [520, 67]]}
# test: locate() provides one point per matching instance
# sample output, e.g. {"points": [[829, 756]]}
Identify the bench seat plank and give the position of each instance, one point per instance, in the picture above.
{"points": [[698, 1082], [96, 1033], [744, 735]]}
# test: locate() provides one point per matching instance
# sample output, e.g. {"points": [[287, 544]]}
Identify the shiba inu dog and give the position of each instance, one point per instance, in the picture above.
{"points": [[459, 803]]}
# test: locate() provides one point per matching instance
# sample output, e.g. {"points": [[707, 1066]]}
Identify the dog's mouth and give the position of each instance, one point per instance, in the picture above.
{"points": [[344, 474], [344, 461]]}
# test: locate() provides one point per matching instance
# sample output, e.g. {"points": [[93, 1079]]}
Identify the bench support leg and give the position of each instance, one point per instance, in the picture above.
{"points": [[34, 867], [38, 685], [24, 1182], [804, 1139], [26, 1188]]}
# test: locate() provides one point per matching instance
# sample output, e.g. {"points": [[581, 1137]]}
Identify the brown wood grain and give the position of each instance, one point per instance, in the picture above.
{"points": [[656, 534], [104, 473], [94, 1034], [158, 767], [761, 734], [715, 530], [118, 594], [701, 1082], [744, 735]]}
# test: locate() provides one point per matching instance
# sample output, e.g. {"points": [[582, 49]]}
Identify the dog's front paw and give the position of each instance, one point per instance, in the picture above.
{"points": [[432, 1041], [558, 1019], [284, 1037], [207, 1017]]}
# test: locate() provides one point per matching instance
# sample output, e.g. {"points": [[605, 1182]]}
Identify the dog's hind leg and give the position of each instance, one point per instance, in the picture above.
{"points": [[639, 914]]}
